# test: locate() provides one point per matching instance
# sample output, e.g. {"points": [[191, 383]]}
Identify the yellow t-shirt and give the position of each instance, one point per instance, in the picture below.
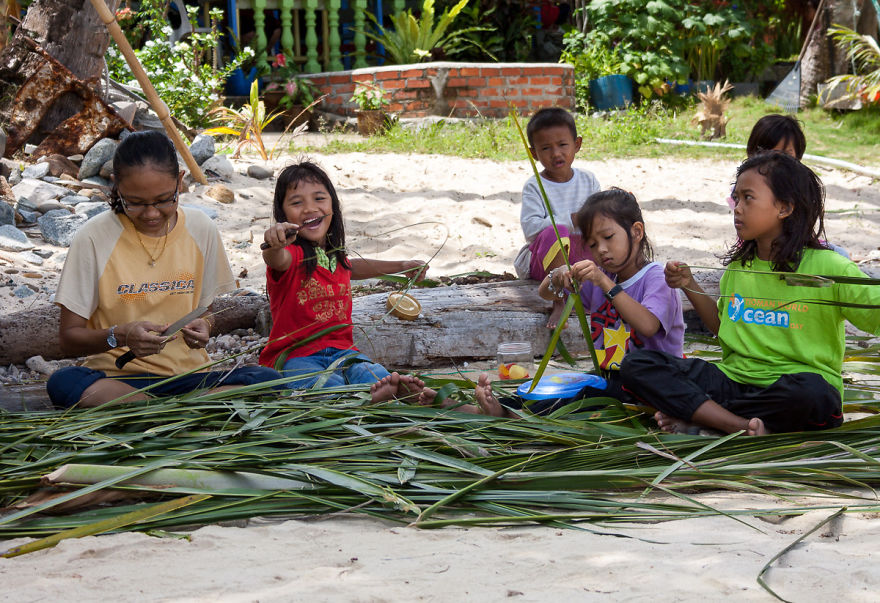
{"points": [[107, 279]]}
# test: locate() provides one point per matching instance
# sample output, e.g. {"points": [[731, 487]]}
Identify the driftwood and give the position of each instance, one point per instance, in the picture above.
{"points": [[456, 323]]}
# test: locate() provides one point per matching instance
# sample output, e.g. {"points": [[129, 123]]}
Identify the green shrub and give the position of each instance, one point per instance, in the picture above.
{"points": [[181, 72]]}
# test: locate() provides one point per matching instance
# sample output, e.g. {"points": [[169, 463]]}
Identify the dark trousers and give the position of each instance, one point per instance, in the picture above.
{"points": [[678, 386]]}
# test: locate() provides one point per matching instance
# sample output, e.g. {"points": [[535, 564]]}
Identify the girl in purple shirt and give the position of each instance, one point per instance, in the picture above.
{"points": [[630, 305]]}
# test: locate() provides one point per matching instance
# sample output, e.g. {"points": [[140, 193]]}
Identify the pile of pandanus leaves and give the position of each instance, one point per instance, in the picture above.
{"points": [[206, 458]]}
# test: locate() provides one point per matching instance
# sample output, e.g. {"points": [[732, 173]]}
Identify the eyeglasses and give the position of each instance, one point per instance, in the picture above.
{"points": [[136, 208]]}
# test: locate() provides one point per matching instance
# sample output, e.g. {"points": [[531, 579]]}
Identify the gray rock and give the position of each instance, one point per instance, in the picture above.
{"points": [[259, 172], [23, 291], [44, 253], [211, 213], [31, 258], [7, 214], [2, 143], [106, 170], [126, 110], [97, 180], [29, 217], [12, 239], [48, 206], [59, 225], [90, 209], [7, 166], [76, 158], [75, 199], [30, 149], [202, 148], [50, 179], [98, 155], [220, 166], [31, 193], [124, 134], [37, 170]]}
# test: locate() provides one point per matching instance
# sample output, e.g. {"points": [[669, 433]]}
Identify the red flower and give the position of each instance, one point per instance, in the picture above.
{"points": [[280, 60]]}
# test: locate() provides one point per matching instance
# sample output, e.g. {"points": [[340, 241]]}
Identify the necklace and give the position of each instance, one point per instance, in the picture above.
{"points": [[153, 260]]}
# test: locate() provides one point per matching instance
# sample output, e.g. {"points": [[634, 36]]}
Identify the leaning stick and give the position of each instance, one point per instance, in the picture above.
{"points": [[157, 103]]}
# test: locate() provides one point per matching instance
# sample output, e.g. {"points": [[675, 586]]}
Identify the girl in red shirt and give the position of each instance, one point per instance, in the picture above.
{"points": [[308, 278]]}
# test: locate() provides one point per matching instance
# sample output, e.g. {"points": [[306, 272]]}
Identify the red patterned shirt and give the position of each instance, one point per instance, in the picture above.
{"points": [[301, 308]]}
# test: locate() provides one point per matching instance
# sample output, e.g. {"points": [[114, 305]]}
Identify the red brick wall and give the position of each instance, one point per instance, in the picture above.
{"points": [[471, 89]]}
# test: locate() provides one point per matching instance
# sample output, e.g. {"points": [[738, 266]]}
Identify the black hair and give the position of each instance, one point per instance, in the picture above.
{"points": [[306, 171], [138, 150], [622, 207], [773, 129], [796, 185], [550, 117]]}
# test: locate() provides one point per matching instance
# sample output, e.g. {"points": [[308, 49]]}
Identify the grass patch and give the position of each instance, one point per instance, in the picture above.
{"points": [[851, 136]]}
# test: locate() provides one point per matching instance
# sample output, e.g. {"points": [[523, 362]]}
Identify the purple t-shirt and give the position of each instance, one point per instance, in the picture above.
{"points": [[612, 337]]}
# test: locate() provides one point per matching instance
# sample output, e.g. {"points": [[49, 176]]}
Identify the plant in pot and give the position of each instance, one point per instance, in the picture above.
{"points": [[600, 74], [370, 99], [292, 95]]}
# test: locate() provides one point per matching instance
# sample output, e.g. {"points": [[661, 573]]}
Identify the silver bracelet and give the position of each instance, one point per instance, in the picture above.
{"points": [[551, 287]]}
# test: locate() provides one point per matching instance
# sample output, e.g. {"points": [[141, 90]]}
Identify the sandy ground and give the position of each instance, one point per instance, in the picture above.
{"points": [[463, 215]]}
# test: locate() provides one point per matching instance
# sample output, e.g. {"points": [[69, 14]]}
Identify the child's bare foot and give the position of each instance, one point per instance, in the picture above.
{"points": [[385, 388], [756, 427], [395, 386], [427, 396], [672, 424], [555, 314], [409, 389], [489, 404]]}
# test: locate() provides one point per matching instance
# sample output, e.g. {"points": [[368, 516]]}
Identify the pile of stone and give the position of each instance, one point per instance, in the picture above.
{"points": [[233, 343]]}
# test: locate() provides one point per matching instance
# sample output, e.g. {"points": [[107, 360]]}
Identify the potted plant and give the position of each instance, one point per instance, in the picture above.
{"points": [[603, 69], [370, 99], [292, 95]]}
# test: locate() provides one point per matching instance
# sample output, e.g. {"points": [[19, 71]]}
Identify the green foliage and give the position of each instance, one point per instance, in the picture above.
{"points": [[497, 31], [181, 72], [864, 53], [645, 36], [247, 123], [369, 97], [414, 40], [665, 41]]}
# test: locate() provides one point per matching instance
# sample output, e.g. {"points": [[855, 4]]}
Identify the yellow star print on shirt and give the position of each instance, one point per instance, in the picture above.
{"points": [[615, 346]]}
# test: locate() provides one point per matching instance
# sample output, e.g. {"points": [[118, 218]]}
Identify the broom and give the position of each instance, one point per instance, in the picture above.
{"points": [[787, 93]]}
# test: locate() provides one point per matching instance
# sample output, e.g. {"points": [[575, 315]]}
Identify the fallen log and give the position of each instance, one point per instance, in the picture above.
{"points": [[457, 323]]}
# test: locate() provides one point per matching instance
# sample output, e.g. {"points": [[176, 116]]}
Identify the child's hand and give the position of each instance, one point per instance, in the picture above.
{"points": [[276, 236], [678, 275], [416, 269], [587, 271]]}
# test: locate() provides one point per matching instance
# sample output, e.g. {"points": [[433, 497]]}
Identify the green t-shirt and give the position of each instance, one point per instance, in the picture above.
{"points": [[770, 328]]}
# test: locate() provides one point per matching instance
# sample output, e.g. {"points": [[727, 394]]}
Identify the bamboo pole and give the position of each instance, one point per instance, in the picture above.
{"points": [[157, 103]]}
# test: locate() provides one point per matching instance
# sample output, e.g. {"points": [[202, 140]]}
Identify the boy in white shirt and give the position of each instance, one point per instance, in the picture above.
{"points": [[553, 141]]}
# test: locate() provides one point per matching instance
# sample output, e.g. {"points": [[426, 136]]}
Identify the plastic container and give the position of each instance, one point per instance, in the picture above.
{"points": [[403, 306], [515, 360], [611, 92]]}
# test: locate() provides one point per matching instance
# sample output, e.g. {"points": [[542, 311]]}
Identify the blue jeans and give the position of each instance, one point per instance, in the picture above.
{"points": [[356, 368], [66, 385]]}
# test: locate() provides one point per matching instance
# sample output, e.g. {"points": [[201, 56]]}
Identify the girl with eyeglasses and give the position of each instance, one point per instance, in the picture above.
{"points": [[129, 275]]}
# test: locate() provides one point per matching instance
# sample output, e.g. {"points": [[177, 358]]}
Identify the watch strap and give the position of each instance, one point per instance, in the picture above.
{"points": [[612, 292]]}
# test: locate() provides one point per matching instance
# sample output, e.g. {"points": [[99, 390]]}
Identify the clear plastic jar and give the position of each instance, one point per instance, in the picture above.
{"points": [[515, 360]]}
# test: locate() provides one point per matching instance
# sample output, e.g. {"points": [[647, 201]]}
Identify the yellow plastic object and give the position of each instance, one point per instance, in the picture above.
{"points": [[403, 306]]}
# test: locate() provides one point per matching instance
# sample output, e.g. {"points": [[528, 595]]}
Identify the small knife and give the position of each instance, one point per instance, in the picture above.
{"points": [[174, 328]]}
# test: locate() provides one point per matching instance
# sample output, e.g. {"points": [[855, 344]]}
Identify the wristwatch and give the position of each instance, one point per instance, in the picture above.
{"points": [[111, 338], [609, 295]]}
